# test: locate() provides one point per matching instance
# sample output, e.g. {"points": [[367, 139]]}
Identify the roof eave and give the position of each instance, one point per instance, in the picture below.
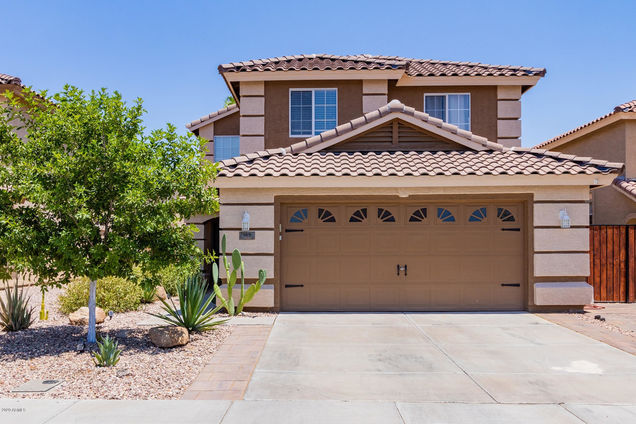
{"points": [[413, 182]]}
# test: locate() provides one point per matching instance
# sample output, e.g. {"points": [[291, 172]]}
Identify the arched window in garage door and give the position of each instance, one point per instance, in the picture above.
{"points": [[325, 215], [360, 215], [418, 215], [299, 217], [385, 215], [505, 215]]}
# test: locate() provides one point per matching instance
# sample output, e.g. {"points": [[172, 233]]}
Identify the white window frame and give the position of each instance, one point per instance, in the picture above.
{"points": [[313, 109], [470, 104]]}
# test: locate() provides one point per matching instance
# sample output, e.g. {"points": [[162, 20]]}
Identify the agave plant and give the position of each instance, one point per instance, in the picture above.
{"points": [[108, 352], [232, 276], [15, 313], [193, 313]]}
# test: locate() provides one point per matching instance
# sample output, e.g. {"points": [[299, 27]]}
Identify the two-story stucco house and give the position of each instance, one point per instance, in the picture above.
{"points": [[611, 137], [387, 183]]}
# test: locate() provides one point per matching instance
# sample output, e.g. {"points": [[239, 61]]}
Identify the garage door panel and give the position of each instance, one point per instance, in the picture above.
{"points": [[326, 269], [385, 296], [445, 268], [415, 241], [328, 241], [355, 268], [354, 242], [453, 264], [386, 242], [476, 269], [356, 297], [324, 296]]}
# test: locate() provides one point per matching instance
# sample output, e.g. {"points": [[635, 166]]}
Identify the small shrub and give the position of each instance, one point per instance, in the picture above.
{"points": [[15, 314], [172, 276], [191, 313], [107, 354], [113, 294], [148, 293]]}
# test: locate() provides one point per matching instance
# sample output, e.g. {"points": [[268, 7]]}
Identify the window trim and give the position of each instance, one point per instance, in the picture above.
{"points": [[313, 109], [470, 105]]}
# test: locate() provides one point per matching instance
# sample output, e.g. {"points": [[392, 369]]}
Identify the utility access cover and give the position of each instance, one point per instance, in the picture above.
{"points": [[37, 386]]}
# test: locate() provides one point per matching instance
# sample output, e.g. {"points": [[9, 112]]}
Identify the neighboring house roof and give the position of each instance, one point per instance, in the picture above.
{"points": [[412, 67], [613, 116], [626, 186], [509, 162], [10, 80], [214, 116]]}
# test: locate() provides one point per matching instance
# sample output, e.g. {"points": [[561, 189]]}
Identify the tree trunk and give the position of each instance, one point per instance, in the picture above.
{"points": [[91, 312]]}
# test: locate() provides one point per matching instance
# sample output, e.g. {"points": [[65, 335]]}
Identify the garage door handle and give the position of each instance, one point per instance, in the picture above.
{"points": [[511, 229], [293, 230], [294, 285], [401, 268], [510, 285]]}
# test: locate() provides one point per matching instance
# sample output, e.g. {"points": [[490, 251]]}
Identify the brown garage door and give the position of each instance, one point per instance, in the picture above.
{"points": [[402, 256]]}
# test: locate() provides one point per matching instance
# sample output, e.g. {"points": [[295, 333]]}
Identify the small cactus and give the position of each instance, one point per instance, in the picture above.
{"points": [[232, 276]]}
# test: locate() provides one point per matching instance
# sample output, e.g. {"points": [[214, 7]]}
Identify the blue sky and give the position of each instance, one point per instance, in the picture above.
{"points": [[167, 52]]}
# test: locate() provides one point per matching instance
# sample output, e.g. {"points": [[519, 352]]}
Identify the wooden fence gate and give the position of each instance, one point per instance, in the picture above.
{"points": [[613, 263]]}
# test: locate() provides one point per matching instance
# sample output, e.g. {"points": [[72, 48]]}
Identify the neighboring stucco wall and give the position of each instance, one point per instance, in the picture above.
{"points": [[616, 143], [607, 143], [611, 207], [277, 107], [483, 104], [555, 255], [630, 149]]}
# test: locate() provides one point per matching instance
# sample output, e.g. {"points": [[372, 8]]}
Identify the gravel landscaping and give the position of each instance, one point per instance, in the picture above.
{"points": [[48, 351]]}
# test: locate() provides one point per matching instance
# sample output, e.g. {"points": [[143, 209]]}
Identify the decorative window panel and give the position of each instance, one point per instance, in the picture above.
{"points": [[444, 215], [299, 217], [478, 215], [418, 215], [359, 215]]}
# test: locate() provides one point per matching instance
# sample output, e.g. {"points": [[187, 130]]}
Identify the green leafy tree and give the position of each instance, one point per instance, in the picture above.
{"points": [[87, 192], [229, 100]]}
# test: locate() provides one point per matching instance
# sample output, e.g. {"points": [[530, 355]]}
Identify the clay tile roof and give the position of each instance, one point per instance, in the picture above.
{"points": [[629, 107], [9, 79], [412, 67], [626, 186], [508, 162], [212, 116]]}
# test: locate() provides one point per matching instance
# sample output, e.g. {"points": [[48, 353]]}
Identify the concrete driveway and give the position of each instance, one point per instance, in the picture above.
{"points": [[410, 368]]}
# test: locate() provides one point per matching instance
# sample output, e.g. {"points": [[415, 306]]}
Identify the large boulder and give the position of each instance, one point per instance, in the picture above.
{"points": [[168, 336], [160, 294], [80, 317]]}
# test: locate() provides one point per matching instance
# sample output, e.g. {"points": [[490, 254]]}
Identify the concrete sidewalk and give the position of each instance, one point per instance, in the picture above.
{"points": [[30, 411]]}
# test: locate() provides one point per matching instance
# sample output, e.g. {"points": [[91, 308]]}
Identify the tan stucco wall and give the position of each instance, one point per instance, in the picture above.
{"points": [[483, 104], [277, 107]]}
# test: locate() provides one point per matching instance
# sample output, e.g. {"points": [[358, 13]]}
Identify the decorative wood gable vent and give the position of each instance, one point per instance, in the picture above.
{"points": [[396, 135]]}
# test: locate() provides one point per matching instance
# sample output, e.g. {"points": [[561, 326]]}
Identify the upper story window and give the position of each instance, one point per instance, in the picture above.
{"points": [[226, 147], [312, 111], [451, 108]]}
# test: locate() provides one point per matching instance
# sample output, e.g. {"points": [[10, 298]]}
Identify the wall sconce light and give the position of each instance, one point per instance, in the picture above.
{"points": [[565, 218], [245, 233], [246, 221]]}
